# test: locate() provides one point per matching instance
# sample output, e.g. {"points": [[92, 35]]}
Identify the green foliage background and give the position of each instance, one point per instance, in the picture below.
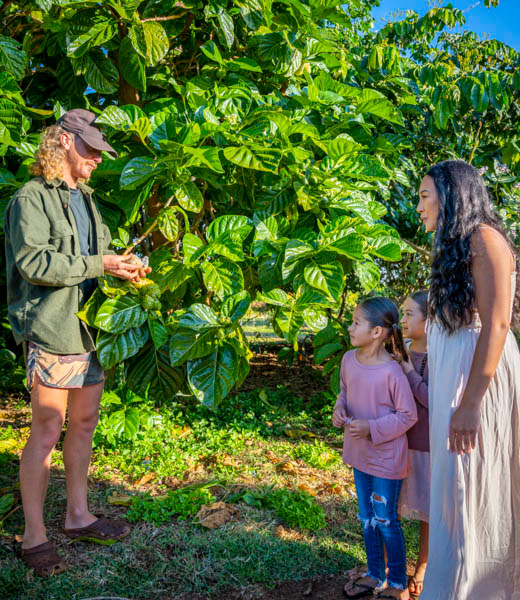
{"points": [[273, 149]]}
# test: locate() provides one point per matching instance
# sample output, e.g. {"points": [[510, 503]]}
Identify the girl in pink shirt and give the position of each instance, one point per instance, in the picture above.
{"points": [[376, 407]]}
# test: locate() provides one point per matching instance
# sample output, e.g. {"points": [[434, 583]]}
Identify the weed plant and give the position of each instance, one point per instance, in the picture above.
{"points": [[317, 455], [182, 503]]}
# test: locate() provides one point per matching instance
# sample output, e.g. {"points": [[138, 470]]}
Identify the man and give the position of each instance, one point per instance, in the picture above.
{"points": [[56, 248]]}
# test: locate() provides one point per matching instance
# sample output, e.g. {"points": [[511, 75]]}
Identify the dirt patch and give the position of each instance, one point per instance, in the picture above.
{"points": [[302, 377], [323, 588]]}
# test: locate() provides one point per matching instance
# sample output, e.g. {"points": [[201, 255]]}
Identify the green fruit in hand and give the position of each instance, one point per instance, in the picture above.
{"points": [[150, 303]]}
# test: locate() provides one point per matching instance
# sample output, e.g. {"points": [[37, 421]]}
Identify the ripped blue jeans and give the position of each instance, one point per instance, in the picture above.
{"points": [[377, 500]]}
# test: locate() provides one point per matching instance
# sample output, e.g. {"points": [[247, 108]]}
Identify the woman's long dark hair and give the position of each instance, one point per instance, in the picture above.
{"points": [[464, 204], [382, 312]]}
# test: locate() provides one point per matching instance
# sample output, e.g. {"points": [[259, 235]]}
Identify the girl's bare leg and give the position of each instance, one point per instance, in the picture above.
{"points": [[416, 583]]}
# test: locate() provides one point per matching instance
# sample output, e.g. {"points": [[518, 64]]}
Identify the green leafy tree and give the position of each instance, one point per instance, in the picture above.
{"points": [[266, 151]]}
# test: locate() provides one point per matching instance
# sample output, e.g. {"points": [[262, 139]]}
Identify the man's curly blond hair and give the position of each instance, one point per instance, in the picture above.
{"points": [[51, 154]]}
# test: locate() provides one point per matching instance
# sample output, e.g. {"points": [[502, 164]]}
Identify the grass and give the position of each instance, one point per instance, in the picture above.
{"points": [[256, 440]]}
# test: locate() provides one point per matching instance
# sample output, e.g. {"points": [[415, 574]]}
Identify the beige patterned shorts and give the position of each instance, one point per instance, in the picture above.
{"points": [[62, 370]]}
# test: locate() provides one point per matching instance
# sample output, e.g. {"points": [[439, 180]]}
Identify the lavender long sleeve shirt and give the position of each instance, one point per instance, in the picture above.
{"points": [[419, 434], [380, 394]]}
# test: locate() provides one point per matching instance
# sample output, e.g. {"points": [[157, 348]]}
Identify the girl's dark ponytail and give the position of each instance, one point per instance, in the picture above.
{"points": [[382, 312], [398, 342]]}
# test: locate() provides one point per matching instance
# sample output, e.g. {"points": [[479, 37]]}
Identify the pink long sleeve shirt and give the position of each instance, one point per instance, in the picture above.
{"points": [[382, 395]]}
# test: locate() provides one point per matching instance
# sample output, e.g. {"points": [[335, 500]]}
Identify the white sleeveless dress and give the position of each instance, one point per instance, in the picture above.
{"points": [[474, 551]]}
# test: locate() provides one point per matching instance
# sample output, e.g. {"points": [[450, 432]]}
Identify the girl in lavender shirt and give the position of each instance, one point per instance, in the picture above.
{"points": [[376, 407], [414, 502]]}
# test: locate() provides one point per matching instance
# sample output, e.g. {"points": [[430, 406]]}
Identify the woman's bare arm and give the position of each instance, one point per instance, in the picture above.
{"points": [[492, 265]]}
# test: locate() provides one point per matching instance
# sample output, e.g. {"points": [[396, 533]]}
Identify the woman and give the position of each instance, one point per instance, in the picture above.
{"points": [[474, 393]]}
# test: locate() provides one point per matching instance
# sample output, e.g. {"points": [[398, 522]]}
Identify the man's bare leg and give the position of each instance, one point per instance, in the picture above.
{"points": [[48, 415], [77, 448]]}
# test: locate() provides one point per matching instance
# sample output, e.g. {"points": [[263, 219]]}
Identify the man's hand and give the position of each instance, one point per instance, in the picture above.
{"points": [[359, 429], [339, 416], [122, 267]]}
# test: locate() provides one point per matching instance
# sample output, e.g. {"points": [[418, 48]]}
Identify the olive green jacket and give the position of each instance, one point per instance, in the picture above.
{"points": [[45, 266]]}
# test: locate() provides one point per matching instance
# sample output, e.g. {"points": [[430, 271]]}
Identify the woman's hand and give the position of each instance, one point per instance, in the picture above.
{"points": [[339, 416], [464, 425], [359, 429]]}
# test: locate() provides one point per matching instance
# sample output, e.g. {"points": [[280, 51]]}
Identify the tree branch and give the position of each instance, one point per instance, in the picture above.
{"points": [[477, 136], [419, 249], [170, 18], [149, 230]]}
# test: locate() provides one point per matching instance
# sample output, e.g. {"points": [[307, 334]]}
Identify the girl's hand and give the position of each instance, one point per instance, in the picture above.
{"points": [[359, 429], [464, 425], [339, 416], [407, 366]]}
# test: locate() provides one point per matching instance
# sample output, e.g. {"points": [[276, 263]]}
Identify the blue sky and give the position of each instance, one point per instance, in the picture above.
{"points": [[500, 23]]}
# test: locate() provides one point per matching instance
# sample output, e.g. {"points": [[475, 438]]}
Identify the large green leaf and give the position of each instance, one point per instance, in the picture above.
{"points": [[387, 248], [11, 118], [368, 274], [100, 73], [89, 310], [189, 197], [288, 322], [114, 349], [382, 108], [350, 245], [228, 245], [131, 65], [235, 307], [260, 158], [223, 278], [327, 277], [12, 58], [276, 297], [199, 317], [212, 377], [149, 39], [237, 224], [97, 35], [342, 146], [192, 247], [137, 171], [226, 26], [150, 372], [188, 343], [119, 314], [168, 224], [170, 274]]}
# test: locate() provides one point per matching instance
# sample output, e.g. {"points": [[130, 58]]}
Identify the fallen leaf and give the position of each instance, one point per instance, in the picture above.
{"points": [[172, 482], [307, 488], [226, 460], [332, 488], [18, 538], [8, 444], [272, 456], [288, 467], [296, 434], [146, 478], [119, 499], [215, 515]]}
